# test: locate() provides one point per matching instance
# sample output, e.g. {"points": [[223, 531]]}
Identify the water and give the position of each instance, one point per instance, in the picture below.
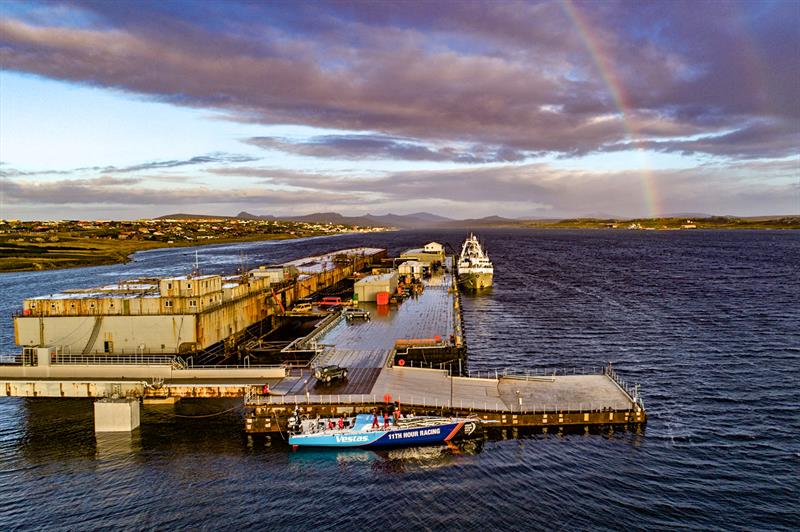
{"points": [[707, 322]]}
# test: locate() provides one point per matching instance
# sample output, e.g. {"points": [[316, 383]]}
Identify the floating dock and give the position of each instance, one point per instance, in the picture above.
{"points": [[411, 351]]}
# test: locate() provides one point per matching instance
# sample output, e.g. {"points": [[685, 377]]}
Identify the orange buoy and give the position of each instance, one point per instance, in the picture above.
{"points": [[401, 362]]}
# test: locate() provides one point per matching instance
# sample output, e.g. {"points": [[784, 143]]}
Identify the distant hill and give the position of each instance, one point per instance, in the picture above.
{"points": [[420, 220], [686, 215], [416, 220], [405, 221], [183, 216], [488, 221], [244, 215]]}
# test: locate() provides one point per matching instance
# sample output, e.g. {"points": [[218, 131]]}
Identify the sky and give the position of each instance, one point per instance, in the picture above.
{"points": [[523, 109]]}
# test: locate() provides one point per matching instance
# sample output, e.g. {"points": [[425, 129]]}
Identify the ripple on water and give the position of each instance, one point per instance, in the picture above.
{"points": [[707, 322]]}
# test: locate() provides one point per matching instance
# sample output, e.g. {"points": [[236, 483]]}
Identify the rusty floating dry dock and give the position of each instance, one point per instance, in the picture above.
{"points": [[413, 352]]}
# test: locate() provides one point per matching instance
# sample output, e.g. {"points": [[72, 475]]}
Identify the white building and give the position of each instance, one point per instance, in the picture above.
{"points": [[367, 289], [433, 247], [412, 267]]}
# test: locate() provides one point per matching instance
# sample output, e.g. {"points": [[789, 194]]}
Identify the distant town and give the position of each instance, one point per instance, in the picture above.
{"points": [[38, 245]]}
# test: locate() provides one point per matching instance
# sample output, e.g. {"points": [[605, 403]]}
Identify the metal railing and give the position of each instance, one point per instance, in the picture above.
{"points": [[126, 360], [303, 344], [236, 366], [631, 391], [412, 401], [11, 359]]}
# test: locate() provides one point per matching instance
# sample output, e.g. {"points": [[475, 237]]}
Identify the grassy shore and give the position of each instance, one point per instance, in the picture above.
{"points": [[714, 222], [72, 252]]}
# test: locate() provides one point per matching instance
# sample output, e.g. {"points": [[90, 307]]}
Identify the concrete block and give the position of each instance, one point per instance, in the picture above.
{"points": [[116, 415]]}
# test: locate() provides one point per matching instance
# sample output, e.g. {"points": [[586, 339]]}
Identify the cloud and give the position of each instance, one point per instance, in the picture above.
{"points": [[754, 140], [542, 189], [385, 147], [517, 77], [222, 158], [751, 187], [122, 192]]}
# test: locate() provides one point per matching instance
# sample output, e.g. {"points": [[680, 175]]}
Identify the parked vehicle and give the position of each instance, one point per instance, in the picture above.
{"points": [[328, 373], [356, 313]]}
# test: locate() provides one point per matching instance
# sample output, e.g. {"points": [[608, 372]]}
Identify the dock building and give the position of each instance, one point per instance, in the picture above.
{"points": [[367, 288], [431, 254]]}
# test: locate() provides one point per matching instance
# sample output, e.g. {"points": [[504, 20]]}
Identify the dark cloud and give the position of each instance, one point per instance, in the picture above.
{"points": [[517, 76], [385, 147], [754, 140]]}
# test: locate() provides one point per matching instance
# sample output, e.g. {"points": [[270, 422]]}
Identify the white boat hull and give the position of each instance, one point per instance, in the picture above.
{"points": [[475, 281]]}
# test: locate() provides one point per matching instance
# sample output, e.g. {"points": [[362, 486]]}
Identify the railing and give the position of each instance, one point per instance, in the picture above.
{"points": [[301, 343], [454, 368], [11, 359], [631, 391], [296, 364], [122, 351], [134, 360], [408, 401], [236, 366]]}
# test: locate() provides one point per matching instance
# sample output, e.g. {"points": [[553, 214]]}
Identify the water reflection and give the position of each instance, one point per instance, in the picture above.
{"points": [[117, 448], [400, 460]]}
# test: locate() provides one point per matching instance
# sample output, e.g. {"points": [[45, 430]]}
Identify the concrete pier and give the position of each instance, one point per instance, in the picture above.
{"points": [[116, 415]]}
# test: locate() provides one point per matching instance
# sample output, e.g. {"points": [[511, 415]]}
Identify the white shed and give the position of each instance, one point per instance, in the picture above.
{"points": [[433, 247], [412, 267], [366, 289]]}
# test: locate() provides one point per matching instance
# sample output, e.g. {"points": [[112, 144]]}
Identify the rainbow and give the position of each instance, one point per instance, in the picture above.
{"points": [[617, 91]]}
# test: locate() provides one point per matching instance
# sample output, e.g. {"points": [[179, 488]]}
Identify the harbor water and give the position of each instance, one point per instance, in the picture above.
{"points": [[708, 322]]}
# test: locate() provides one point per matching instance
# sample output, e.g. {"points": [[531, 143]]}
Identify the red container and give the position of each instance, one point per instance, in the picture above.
{"points": [[382, 298]]}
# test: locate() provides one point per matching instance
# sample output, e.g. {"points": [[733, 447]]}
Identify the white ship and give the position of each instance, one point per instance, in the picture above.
{"points": [[475, 270]]}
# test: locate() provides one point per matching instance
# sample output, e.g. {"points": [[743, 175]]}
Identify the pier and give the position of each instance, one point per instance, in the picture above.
{"points": [[411, 351]]}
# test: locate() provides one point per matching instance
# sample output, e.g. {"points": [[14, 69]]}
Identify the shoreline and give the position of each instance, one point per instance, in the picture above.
{"points": [[115, 252]]}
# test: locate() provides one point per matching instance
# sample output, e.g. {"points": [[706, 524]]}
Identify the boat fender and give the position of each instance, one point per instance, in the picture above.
{"points": [[401, 362]]}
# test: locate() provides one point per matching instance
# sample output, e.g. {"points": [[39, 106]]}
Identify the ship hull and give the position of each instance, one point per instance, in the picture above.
{"points": [[475, 281], [394, 437]]}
